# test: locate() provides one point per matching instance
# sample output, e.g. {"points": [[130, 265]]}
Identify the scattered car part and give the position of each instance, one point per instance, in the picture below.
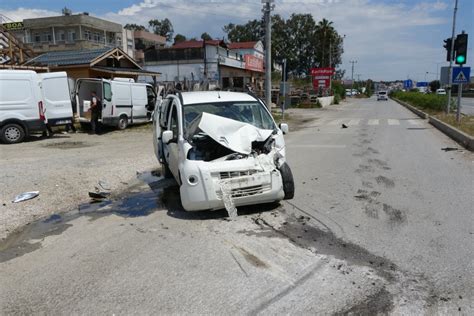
{"points": [[25, 196]]}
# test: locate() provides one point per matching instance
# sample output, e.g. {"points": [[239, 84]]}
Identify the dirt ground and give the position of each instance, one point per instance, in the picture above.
{"points": [[65, 168]]}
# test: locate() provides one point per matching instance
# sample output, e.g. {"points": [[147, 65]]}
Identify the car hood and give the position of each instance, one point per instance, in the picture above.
{"points": [[234, 135]]}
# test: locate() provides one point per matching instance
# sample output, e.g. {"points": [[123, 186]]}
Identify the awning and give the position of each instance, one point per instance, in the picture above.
{"points": [[125, 71]]}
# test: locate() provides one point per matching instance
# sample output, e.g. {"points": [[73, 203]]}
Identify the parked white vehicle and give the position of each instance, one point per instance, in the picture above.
{"points": [[123, 101], [220, 146], [29, 100], [440, 91]]}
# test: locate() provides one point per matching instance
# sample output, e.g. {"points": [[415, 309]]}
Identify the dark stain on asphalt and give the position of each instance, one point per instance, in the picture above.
{"points": [[379, 303], [372, 150], [67, 145], [252, 259], [389, 183], [377, 162], [297, 231], [395, 216]]}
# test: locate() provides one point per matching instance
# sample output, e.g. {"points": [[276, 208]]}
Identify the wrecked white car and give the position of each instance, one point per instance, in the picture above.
{"points": [[223, 148]]}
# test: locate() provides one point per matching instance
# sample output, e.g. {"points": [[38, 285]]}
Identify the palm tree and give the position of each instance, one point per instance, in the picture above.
{"points": [[325, 35]]}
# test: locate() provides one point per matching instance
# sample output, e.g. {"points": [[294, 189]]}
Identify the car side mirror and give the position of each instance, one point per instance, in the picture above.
{"points": [[167, 136], [284, 128]]}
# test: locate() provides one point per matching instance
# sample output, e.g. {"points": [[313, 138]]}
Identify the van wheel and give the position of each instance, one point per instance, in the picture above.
{"points": [[12, 134], [123, 122], [288, 183]]}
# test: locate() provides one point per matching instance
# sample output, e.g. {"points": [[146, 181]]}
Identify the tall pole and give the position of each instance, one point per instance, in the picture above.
{"points": [[268, 52], [352, 75], [450, 72], [458, 110], [330, 65], [284, 90]]}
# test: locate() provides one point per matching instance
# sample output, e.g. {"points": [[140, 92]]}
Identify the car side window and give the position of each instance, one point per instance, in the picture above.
{"points": [[173, 123]]}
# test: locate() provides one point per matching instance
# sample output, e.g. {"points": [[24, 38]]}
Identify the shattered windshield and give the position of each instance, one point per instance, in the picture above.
{"points": [[247, 112]]}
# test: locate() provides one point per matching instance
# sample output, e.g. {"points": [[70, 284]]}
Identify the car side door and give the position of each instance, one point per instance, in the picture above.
{"points": [[172, 148]]}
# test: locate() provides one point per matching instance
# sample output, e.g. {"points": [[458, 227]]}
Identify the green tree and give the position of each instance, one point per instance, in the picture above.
{"points": [[134, 27], [206, 37], [250, 31], [162, 27], [179, 38]]}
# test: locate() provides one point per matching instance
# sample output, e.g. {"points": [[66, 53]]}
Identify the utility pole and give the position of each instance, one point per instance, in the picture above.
{"points": [[450, 72], [330, 65], [352, 75], [267, 8], [284, 90]]}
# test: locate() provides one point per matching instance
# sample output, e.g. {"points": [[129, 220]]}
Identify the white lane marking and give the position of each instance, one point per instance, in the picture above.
{"points": [[336, 122], [393, 122], [373, 122], [414, 122], [317, 146], [353, 122]]}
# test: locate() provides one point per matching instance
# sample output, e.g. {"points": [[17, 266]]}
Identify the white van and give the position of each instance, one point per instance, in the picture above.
{"points": [[123, 101], [29, 100]]}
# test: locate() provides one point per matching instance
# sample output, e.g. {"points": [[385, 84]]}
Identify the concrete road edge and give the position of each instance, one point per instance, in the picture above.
{"points": [[457, 135]]}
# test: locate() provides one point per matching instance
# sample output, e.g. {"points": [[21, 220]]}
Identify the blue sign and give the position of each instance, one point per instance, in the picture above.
{"points": [[422, 84], [461, 75], [407, 84]]}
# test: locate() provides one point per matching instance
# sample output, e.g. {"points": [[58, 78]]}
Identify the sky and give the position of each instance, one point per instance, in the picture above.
{"points": [[390, 40]]}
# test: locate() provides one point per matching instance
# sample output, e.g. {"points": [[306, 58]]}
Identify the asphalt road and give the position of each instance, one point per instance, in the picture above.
{"points": [[381, 222], [467, 106]]}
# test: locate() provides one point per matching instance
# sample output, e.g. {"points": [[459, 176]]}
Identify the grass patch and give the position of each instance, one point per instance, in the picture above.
{"points": [[466, 125], [294, 121], [435, 106]]}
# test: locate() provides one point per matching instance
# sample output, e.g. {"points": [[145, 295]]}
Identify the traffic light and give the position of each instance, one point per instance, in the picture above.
{"points": [[460, 47], [447, 45]]}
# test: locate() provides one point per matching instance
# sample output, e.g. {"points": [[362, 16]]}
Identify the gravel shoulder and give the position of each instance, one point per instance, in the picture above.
{"points": [[65, 168]]}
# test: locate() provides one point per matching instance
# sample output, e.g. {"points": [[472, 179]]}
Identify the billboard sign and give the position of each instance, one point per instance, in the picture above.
{"points": [[13, 26], [253, 63], [321, 77], [407, 84], [421, 84]]}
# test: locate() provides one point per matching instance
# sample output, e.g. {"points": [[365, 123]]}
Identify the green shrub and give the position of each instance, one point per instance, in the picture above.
{"points": [[338, 89], [337, 98], [423, 101]]}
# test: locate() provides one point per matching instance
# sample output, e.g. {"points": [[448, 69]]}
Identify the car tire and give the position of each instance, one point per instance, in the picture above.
{"points": [[166, 171], [123, 122], [12, 133], [288, 182]]}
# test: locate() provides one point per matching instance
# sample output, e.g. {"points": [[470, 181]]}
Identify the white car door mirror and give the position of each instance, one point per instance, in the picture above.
{"points": [[167, 136], [284, 128]]}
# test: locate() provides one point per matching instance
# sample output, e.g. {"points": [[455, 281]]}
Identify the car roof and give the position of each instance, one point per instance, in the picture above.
{"points": [[196, 97]]}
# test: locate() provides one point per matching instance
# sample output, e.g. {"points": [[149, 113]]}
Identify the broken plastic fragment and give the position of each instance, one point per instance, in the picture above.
{"points": [[104, 185], [227, 198], [25, 196], [99, 195]]}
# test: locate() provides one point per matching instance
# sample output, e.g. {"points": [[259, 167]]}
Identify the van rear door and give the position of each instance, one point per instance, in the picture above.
{"points": [[122, 99], [139, 101], [57, 98]]}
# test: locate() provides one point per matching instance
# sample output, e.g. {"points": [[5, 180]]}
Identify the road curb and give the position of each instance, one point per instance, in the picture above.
{"points": [[420, 113], [459, 136]]}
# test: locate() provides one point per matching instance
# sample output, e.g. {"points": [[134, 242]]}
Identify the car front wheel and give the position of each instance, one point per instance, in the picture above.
{"points": [[288, 182], [12, 134]]}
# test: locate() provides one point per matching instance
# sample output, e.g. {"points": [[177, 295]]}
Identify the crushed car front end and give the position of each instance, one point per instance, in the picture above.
{"points": [[247, 181]]}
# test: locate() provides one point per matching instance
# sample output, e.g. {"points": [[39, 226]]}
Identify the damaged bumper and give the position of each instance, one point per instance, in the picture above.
{"points": [[249, 183]]}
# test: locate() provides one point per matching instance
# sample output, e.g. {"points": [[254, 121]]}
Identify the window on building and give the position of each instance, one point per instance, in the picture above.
{"points": [[61, 36], [37, 37], [96, 37], [87, 35], [72, 36], [47, 37]]}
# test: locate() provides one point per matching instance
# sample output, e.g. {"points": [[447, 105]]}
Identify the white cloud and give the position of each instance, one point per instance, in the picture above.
{"points": [[24, 13]]}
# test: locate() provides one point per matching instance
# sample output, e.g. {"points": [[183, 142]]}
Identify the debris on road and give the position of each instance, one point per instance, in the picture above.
{"points": [[104, 185], [449, 148], [344, 125], [99, 195], [25, 196]]}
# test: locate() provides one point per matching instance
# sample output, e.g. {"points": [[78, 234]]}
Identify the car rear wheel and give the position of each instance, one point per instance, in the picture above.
{"points": [[288, 182], [12, 133]]}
